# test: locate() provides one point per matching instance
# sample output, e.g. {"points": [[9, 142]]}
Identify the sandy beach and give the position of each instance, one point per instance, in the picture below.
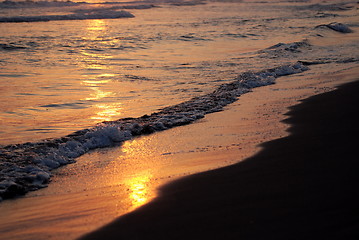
{"points": [[303, 186]]}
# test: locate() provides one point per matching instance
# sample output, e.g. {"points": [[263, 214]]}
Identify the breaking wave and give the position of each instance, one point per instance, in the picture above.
{"points": [[72, 16], [76, 10], [288, 50], [36, 4], [338, 27], [26, 167], [291, 47]]}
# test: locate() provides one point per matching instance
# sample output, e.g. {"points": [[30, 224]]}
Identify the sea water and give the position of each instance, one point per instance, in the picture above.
{"points": [[79, 76]]}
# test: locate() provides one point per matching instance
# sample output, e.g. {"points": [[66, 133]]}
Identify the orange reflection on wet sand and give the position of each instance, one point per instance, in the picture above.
{"points": [[140, 188], [139, 192]]}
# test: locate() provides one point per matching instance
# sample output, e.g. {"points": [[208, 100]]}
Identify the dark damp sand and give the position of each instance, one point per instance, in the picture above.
{"points": [[304, 186]]}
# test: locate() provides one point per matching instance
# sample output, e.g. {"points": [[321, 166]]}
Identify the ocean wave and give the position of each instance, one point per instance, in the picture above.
{"points": [[338, 27], [191, 37], [35, 4], [73, 16], [327, 7], [187, 3], [138, 78], [89, 10], [139, 6], [26, 167], [68, 3], [285, 49], [291, 47], [76, 105], [10, 46]]}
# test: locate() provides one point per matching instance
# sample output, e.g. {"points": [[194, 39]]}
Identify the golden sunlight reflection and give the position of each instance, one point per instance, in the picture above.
{"points": [[96, 55], [107, 111], [95, 81], [138, 189], [98, 81], [95, 25], [98, 93], [93, 60], [93, 55]]}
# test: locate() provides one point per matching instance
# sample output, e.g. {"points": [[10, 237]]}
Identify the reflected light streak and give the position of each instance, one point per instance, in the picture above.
{"points": [[97, 78], [141, 186], [93, 60], [95, 82], [107, 111], [138, 188], [96, 25], [98, 94], [94, 56]]}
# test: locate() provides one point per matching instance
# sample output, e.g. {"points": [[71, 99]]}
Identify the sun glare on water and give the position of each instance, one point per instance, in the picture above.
{"points": [[94, 61]]}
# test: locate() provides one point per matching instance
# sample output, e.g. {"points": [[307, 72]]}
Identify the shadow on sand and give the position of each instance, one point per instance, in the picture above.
{"points": [[304, 186]]}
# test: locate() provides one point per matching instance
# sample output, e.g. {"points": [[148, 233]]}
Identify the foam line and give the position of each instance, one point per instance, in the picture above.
{"points": [[26, 167]]}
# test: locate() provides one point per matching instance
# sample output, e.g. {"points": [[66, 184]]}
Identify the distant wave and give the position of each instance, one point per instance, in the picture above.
{"points": [[32, 4], [74, 16], [290, 47], [9, 46], [58, 4], [327, 7], [288, 50], [338, 27], [26, 167]]}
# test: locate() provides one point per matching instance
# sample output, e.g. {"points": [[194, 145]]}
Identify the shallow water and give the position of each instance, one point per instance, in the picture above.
{"points": [[62, 76]]}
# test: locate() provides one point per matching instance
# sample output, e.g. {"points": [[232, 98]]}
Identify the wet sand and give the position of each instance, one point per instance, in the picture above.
{"points": [[303, 186]]}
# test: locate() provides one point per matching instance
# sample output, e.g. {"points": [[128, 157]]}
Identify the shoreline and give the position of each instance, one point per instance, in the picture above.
{"points": [[102, 185], [28, 166], [297, 187]]}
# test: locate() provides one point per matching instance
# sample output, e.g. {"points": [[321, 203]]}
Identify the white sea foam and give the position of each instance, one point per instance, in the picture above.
{"points": [[26, 167]]}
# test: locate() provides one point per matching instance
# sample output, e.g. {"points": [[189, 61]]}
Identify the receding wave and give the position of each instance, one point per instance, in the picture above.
{"points": [[72, 16], [26, 167]]}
